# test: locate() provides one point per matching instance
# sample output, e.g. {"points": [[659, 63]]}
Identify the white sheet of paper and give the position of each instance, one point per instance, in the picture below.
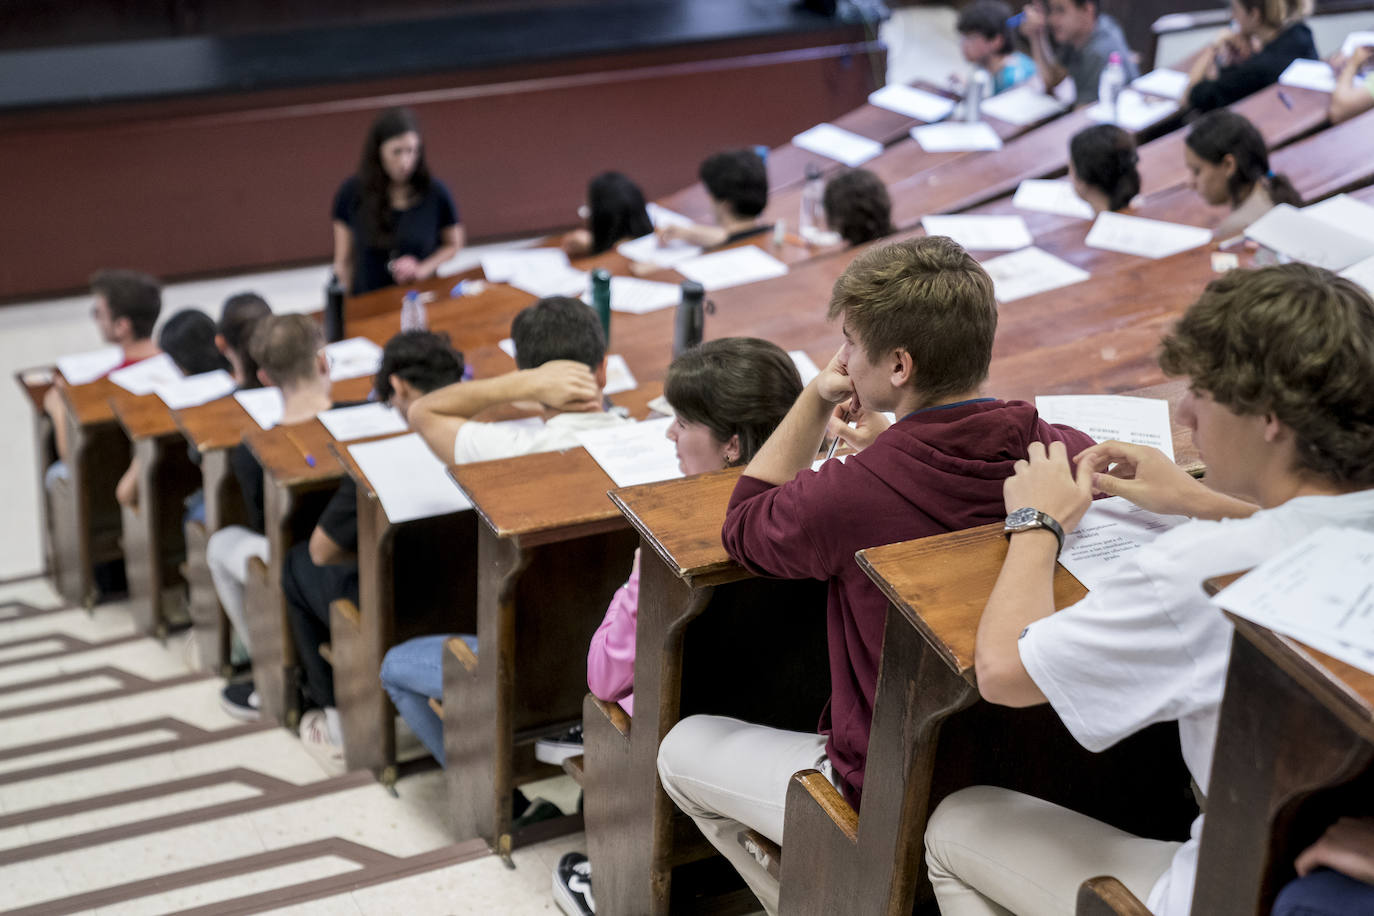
{"points": [[1362, 273], [1029, 272], [1025, 104], [560, 281], [352, 358], [838, 144], [816, 465], [1163, 82], [732, 267], [1345, 213], [640, 297], [507, 346], [647, 250], [1320, 590], [956, 138], [1111, 530], [1051, 196], [501, 266], [634, 453], [1356, 40], [84, 368], [662, 216], [1142, 421], [1309, 74], [618, 375], [194, 390], [264, 405], [145, 376], [407, 477], [1148, 238], [348, 423], [1133, 110], [1302, 237], [912, 102], [806, 367], [982, 233]]}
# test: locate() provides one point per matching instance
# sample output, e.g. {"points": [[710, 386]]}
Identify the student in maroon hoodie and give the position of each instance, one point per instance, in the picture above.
{"points": [[918, 319]]}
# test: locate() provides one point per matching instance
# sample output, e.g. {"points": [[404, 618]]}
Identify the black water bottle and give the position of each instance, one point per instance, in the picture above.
{"points": [[691, 317], [333, 310]]}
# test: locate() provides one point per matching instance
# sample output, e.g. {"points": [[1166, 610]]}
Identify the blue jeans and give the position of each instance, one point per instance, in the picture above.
{"points": [[412, 673], [1325, 893]]}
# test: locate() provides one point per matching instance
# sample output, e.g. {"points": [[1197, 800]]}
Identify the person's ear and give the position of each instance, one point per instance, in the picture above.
{"points": [[731, 452], [401, 390], [1274, 430], [1228, 162], [264, 379], [221, 344], [600, 374], [903, 368], [322, 363]]}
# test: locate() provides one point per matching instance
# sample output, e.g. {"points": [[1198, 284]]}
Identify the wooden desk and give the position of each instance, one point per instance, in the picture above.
{"points": [[36, 383], [702, 623]]}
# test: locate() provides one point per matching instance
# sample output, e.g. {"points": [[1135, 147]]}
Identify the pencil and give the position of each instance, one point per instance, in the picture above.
{"points": [[305, 453]]}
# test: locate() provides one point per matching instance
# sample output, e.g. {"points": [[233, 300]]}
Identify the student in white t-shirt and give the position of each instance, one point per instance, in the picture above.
{"points": [[560, 350], [1281, 404]]}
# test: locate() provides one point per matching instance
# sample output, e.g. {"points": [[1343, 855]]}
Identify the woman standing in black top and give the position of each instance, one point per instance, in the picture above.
{"points": [[1266, 37], [393, 223]]}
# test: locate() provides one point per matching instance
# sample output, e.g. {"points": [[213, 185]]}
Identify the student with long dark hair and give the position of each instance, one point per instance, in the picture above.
{"points": [[237, 320], [615, 211], [1228, 162], [393, 222], [1266, 36], [1102, 164]]}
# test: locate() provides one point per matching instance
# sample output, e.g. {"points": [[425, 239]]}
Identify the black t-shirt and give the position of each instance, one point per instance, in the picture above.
{"points": [[339, 519], [1255, 72], [417, 232], [249, 475]]}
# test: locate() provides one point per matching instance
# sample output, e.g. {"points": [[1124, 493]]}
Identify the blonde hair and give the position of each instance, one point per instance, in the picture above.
{"points": [[1278, 13], [285, 347]]}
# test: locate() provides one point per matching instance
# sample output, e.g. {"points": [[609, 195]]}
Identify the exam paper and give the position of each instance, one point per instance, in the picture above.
{"points": [[956, 138], [1309, 74], [647, 250], [982, 233], [407, 477], [348, 423], [662, 216], [806, 368], [618, 375], [1021, 106], [838, 144], [264, 405], [1356, 40], [1345, 213], [1141, 421], [1163, 82], [146, 375], [1148, 238], [639, 297], [1133, 110], [84, 368], [1320, 591], [501, 266], [352, 358], [732, 267], [1111, 530], [1362, 273], [634, 453], [1300, 236], [1051, 196], [194, 390], [1029, 272], [559, 281], [912, 102]]}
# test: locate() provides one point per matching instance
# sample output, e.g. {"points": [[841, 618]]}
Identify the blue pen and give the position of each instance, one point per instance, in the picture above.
{"points": [[305, 453], [1287, 102], [1015, 21]]}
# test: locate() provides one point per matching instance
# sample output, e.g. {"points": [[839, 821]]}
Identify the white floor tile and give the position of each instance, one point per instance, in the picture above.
{"points": [[368, 814], [115, 815], [67, 690], [477, 888], [233, 888], [81, 749]]}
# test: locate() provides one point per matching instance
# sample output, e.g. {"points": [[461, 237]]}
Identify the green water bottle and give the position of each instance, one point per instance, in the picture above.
{"points": [[601, 298]]}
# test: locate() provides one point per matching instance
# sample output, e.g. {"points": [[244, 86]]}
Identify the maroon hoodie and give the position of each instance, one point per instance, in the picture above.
{"points": [[936, 470]]}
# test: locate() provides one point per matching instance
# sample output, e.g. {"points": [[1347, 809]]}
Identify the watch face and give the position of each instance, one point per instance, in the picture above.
{"points": [[1027, 517]]}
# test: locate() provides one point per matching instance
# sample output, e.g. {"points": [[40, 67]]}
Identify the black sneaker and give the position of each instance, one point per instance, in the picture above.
{"points": [[572, 885], [240, 700], [557, 748], [541, 809]]}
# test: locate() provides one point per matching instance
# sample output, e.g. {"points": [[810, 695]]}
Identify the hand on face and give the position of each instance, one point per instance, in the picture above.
{"points": [[565, 384], [1033, 25], [834, 384], [1046, 482]]}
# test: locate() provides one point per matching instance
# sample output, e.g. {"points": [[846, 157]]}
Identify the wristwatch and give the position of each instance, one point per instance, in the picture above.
{"points": [[1028, 519]]}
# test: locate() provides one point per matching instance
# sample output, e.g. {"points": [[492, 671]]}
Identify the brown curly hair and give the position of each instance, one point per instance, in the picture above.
{"points": [[1293, 341]]}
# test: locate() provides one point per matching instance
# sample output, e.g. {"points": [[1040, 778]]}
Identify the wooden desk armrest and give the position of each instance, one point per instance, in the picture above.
{"points": [[346, 609], [765, 851], [614, 714], [461, 652], [1106, 896], [830, 801], [576, 767]]}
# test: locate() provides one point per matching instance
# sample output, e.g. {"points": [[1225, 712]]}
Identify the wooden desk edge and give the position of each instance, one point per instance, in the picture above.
{"points": [[713, 574], [914, 618]]}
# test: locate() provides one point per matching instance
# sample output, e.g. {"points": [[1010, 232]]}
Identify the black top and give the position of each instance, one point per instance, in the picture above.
{"points": [[339, 519], [249, 474], [1257, 71], [417, 232]]}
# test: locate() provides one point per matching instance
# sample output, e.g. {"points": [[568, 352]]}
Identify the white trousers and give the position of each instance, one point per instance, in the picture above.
{"points": [[994, 851], [728, 776], [227, 553]]}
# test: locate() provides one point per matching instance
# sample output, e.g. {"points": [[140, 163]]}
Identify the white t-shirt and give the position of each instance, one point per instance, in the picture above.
{"points": [[1148, 646], [492, 441]]}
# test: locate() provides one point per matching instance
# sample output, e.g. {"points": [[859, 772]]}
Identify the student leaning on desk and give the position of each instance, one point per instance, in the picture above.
{"points": [[738, 184], [1074, 39], [1264, 37]]}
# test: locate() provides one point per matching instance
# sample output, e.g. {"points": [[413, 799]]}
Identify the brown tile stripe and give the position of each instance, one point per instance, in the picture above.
{"points": [[27, 611], [132, 684], [23, 577], [271, 799], [70, 645], [188, 736]]}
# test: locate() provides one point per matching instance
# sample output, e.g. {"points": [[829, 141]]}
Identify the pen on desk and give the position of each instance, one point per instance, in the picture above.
{"points": [[305, 453], [1287, 102]]}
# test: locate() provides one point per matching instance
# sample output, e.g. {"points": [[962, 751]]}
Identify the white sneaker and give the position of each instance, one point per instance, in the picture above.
{"points": [[314, 733]]}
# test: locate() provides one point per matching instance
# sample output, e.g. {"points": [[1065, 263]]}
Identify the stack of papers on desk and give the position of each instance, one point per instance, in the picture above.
{"points": [[1309, 74], [1051, 196], [352, 358], [647, 250], [1163, 82], [1029, 272], [1133, 111], [912, 102], [264, 405], [838, 144], [1111, 530], [1024, 105], [194, 390], [639, 297], [982, 233], [1345, 213], [634, 453], [1319, 591], [84, 368], [146, 376], [732, 267], [956, 137], [1148, 238], [1140, 421], [409, 480], [348, 423], [1301, 236]]}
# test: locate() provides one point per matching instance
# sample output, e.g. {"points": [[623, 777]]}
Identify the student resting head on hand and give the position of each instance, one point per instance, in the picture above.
{"points": [[738, 184]]}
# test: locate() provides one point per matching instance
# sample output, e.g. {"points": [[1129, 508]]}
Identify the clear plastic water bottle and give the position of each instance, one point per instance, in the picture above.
{"points": [[413, 315], [811, 220], [1110, 84], [979, 88]]}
